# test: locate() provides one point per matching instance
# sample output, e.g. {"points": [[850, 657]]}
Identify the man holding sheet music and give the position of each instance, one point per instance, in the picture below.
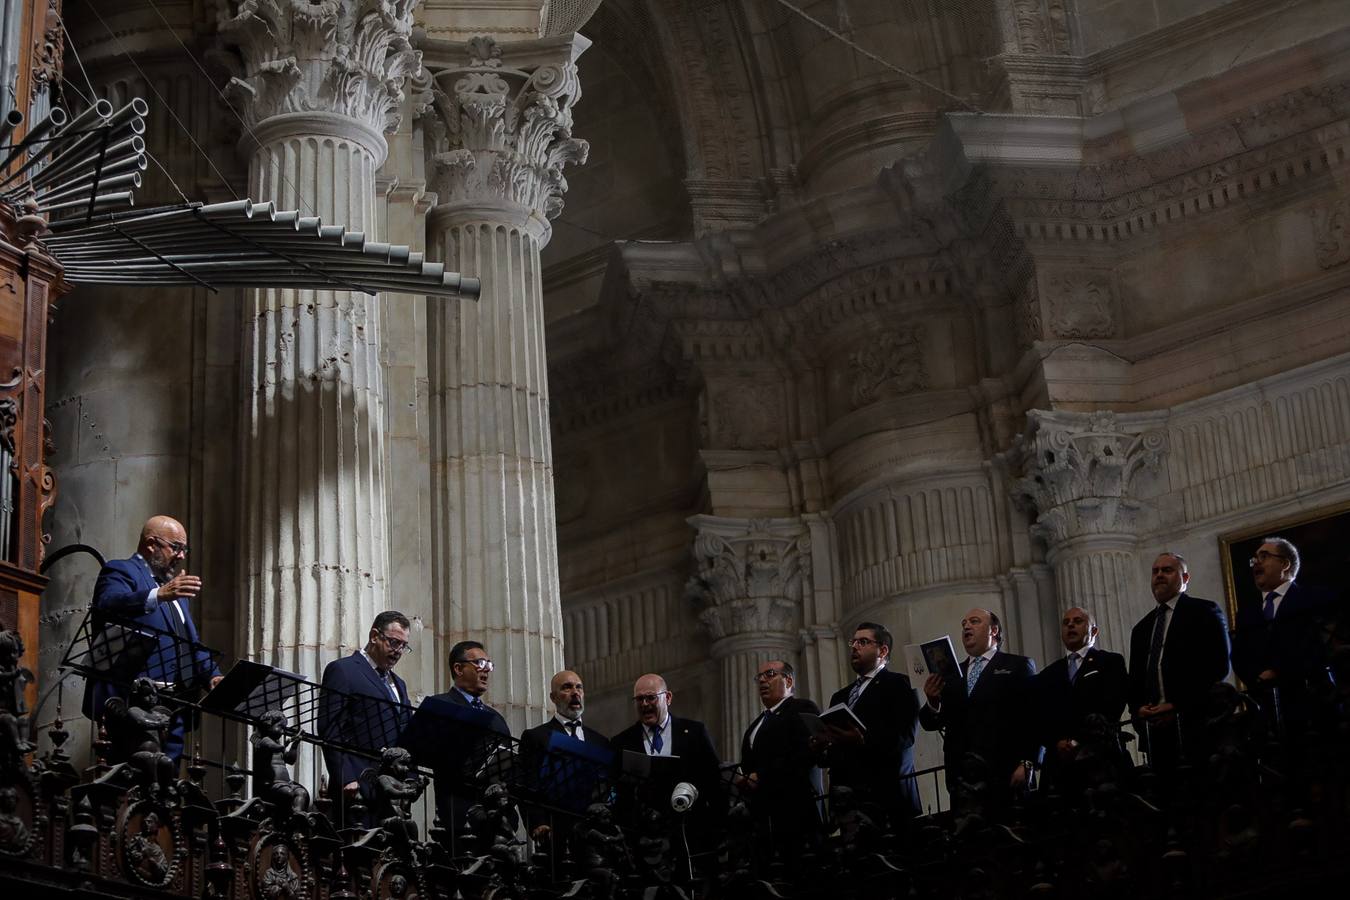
{"points": [[875, 760], [983, 712], [459, 777]]}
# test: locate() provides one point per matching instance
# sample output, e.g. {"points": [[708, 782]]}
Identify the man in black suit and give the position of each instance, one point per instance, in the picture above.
{"points": [[877, 763], [1088, 681], [1177, 653], [779, 778], [985, 713], [1277, 643], [363, 704], [658, 733], [569, 702], [459, 778]]}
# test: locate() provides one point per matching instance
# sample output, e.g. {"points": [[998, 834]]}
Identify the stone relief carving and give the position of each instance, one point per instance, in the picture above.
{"points": [[47, 55], [350, 57], [505, 133], [1042, 26], [1331, 233], [1081, 471], [750, 576], [1080, 304], [890, 365], [1027, 313]]}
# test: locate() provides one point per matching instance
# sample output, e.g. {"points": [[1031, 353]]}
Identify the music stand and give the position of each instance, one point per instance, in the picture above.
{"points": [[118, 653], [250, 689], [573, 774]]}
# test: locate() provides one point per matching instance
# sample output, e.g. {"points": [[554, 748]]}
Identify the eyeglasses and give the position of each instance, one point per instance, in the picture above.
{"points": [[482, 664], [768, 675], [1263, 555], [643, 699], [178, 547], [860, 642], [396, 645]]}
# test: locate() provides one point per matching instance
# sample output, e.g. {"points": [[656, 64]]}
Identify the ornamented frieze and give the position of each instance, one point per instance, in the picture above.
{"points": [[1042, 26], [1081, 303], [890, 365], [503, 132], [1331, 230], [347, 57]]}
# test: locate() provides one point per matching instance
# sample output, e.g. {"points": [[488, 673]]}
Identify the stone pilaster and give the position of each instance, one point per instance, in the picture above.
{"points": [[499, 138], [1082, 478], [751, 577], [319, 87]]}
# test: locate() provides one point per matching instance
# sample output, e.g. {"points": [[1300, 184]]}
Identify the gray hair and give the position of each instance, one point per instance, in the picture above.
{"points": [[1288, 551]]}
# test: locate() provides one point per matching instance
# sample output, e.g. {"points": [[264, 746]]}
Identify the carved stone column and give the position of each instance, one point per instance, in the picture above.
{"points": [[319, 89], [498, 143], [1082, 478], [751, 576]]}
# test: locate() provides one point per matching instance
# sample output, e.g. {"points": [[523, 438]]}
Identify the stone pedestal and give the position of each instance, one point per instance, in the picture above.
{"points": [[1082, 474], [498, 143], [319, 89], [751, 576]]}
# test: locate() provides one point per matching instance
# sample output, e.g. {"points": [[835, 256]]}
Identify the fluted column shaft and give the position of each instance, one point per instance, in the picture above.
{"points": [[320, 87], [498, 140]]}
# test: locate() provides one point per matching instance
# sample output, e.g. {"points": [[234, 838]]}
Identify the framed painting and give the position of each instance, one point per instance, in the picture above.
{"points": [[1323, 541]]}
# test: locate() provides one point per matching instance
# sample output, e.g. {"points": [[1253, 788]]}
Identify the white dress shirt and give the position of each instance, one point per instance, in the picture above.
{"points": [[665, 738], [565, 723], [387, 677]]}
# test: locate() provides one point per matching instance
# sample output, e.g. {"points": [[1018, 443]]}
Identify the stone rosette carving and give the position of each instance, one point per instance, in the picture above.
{"points": [[1081, 304], [504, 132], [1331, 233], [347, 57], [1080, 471], [750, 575], [891, 365]]}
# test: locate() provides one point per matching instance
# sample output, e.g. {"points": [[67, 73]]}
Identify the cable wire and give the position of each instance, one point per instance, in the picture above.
{"points": [[965, 104], [169, 109]]}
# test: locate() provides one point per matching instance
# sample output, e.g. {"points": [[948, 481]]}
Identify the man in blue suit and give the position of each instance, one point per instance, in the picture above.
{"points": [[1277, 642], [151, 589], [363, 704]]}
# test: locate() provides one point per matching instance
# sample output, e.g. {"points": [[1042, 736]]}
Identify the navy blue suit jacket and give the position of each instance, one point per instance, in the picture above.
{"points": [[355, 709], [121, 590], [877, 771], [454, 777], [1291, 644]]}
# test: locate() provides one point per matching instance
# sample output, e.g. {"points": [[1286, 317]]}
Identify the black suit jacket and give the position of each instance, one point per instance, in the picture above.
{"points": [[534, 747], [1062, 706], [355, 709], [993, 721], [454, 793], [889, 710], [1195, 654], [537, 738], [1291, 644], [699, 765], [789, 780]]}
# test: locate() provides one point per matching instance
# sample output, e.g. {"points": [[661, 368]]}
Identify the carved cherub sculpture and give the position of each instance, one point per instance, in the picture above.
{"points": [[272, 758], [13, 710], [394, 793], [491, 826], [135, 728], [604, 850]]}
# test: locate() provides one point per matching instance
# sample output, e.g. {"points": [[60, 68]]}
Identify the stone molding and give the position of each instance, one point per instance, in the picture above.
{"points": [[750, 575], [1080, 471], [349, 58], [502, 129]]}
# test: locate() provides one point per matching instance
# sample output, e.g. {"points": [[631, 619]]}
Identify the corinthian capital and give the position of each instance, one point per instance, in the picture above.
{"points": [[344, 57], [751, 575], [1080, 470], [503, 126]]}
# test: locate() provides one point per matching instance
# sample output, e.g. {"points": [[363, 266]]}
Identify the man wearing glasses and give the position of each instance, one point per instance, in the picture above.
{"points": [[1177, 653], [875, 763], [151, 589], [1277, 642], [779, 778], [460, 776], [363, 704]]}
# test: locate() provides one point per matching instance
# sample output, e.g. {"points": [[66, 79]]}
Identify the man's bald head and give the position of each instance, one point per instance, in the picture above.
{"points": [[567, 694], [652, 698], [163, 545]]}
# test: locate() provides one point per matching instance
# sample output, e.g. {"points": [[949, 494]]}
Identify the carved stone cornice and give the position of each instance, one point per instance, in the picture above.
{"points": [[1079, 471], [332, 58], [502, 129], [750, 575]]}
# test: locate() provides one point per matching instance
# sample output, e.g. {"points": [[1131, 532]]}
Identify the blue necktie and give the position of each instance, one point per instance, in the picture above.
{"points": [[1269, 609], [657, 742], [856, 691], [1074, 662], [477, 703], [973, 675]]}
